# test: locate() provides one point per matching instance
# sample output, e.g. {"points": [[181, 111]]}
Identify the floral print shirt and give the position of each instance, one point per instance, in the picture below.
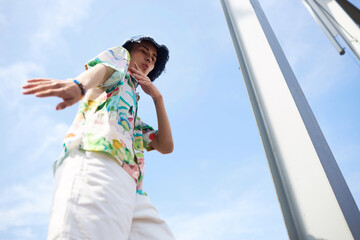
{"points": [[107, 118]]}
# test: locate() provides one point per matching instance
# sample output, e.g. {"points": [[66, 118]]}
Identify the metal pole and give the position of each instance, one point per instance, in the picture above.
{"points": [[351, 10], [333, 16], [315, 199], [330, 33]]}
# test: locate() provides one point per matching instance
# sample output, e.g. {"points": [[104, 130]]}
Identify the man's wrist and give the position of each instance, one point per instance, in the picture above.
{"points": [[82, 88], [157, 98]]}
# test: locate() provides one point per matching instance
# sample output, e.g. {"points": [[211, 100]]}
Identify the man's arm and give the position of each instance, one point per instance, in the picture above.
{"points": [[68, 89], [163, 141]]}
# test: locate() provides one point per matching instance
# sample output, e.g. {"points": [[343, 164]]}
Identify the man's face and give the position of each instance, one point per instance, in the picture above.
{"points": [[144, 54]]}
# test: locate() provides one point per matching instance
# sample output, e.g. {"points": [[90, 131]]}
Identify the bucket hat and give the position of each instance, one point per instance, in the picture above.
{"points": [[162, 54]]}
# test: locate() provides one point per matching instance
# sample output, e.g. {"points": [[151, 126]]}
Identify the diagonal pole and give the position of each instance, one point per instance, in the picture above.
{"points": [[330, 15], [314, 197]]}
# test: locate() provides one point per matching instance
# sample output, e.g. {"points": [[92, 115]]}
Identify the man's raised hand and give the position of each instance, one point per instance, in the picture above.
{"points": [[65, 89]]}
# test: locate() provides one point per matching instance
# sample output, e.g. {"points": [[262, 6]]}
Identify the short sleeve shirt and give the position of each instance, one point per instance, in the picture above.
{"points": [[107, 118]]}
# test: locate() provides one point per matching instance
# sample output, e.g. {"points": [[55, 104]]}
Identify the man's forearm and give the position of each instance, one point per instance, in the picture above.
{"points": [[95, 76], [164, 141]]}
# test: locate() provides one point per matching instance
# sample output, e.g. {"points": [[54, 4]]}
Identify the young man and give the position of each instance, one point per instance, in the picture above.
{"points": [[98, 177]]}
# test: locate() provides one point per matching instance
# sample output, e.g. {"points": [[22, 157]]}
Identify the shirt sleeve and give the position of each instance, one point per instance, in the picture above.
{"points": [[148, 132], [117, 58]]}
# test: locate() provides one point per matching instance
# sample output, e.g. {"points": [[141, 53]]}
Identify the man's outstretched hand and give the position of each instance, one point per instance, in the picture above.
{"points": [[65, 89]]}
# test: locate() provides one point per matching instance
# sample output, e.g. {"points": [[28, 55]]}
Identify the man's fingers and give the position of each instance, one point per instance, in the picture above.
{"points": [[140, 77], [29, 85], [66, 103], [67, 90], [39, 80], [144, 81], [34, 88], [34, 84], [136, 66], [136, 71], [61, 106]]}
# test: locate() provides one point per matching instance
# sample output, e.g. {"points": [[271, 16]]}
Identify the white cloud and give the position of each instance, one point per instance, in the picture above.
{"points": [[24, 233], [26, 204], [46, 135], [56, 17], [32, 134], [33, 140], [12, 78], [236, 218], [246, 209], [30, 120]]}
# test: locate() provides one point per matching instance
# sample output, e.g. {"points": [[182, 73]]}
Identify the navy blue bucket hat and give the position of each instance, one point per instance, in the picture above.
{"points": [[162, 54]]}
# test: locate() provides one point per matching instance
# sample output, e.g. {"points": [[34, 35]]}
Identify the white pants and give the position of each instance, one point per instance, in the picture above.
{"points": [[95, 198]]}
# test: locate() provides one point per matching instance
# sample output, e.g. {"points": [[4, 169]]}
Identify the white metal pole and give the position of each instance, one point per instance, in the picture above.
{"points": [[330, 33], [333, 16], [315, 199]]}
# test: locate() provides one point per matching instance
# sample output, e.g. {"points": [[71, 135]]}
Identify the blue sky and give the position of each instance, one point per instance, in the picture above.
{"points": [[216, 184]]}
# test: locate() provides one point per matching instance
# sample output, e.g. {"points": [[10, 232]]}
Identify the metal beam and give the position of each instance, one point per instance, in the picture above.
{"points": [[333, 16], [314, 197], [325, 25], [351, 10]]}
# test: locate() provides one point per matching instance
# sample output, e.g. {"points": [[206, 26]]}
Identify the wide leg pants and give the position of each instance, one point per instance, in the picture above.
{"points": [[95, 198]]}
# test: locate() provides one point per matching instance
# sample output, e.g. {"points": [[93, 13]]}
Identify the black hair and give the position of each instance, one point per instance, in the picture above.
{"points": [[162, 55]]}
